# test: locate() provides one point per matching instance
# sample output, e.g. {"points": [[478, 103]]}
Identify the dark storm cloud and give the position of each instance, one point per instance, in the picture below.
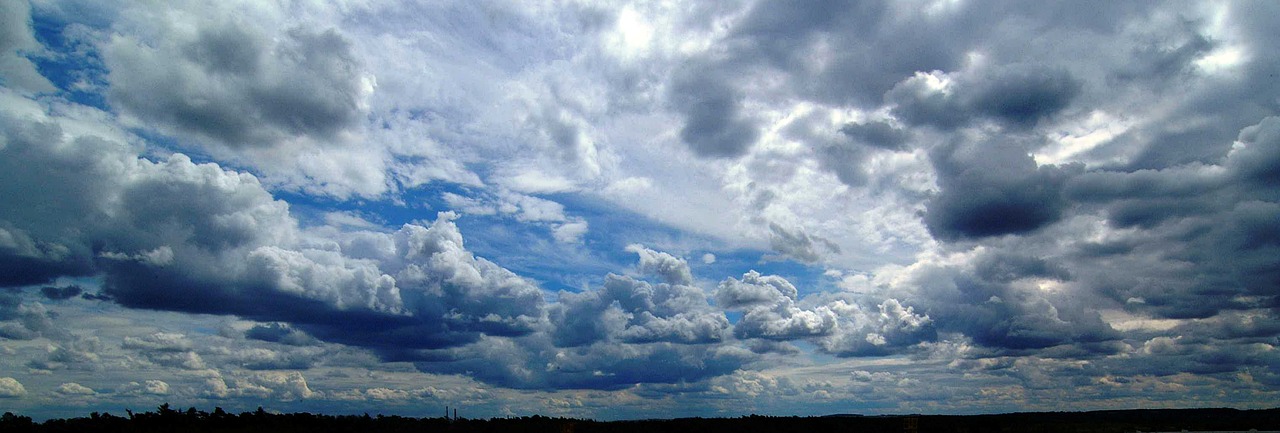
{"points": [[1218, 217], [993, 187], [277, 332], [1017, 96], [878, 134], [1257, 161], [58, 293], [1004, 267], [1023, 95], [240, 87], [1008, 317]]}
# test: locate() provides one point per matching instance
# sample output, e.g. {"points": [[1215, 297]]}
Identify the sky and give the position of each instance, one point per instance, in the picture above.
{"points": [[633, 209]]}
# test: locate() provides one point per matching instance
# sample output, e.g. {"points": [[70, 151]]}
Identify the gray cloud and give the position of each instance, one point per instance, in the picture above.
{"points": [[991, 188], [714, 124], [1017, 96], [634, 311], [17, 41], [877, 134], [528, 364], [754, 290], [234, 250], [799, 245], [58, 293], [277, 332], [235, 85], [837, 324]]}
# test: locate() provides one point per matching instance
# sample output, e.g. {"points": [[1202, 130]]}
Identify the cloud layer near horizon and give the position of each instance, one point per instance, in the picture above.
{"points": [[1050, 207]]}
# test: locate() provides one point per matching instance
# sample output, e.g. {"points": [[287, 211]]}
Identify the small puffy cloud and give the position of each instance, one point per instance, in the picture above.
{"points": [[570, 232], [11, 388], [147, 387], [72, 389], [754, 289], [672, 269]]}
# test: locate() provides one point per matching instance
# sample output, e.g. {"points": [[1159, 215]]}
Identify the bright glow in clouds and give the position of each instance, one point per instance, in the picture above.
{"points": [[639, 209]]}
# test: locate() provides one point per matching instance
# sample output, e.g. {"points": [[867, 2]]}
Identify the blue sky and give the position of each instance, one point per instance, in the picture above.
{"points": [[638, 209]]}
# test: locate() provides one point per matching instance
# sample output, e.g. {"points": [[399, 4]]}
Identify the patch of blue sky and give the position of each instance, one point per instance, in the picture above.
{"points": [[530, 250], [71, 63]]}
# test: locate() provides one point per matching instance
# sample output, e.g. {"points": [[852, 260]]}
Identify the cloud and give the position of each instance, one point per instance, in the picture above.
{"points": [[73, 390], [673, 270], [30, 321], [861, 333], [1256, 157], [239, 86], [58, 293], [597, 366], [17, 41], [284, 386], [773, 315], [1087, 211], [754, 289], [633, 311], [277, 332], [714, 125], [236, 250], [877, 134], [799, 245], [147, 387], [993, 187], [11, 388]]}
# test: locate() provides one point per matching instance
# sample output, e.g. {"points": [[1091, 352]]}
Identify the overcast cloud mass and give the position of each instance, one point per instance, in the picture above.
{"points": [[639, 209]]}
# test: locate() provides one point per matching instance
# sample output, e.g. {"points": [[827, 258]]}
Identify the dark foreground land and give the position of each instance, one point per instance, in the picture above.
{"points": [[166, 419]]}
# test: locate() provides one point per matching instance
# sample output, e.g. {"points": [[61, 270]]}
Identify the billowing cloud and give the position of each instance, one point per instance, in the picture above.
{"points": [[147, 387], [992, 188], [11, 388], [73, 390]]}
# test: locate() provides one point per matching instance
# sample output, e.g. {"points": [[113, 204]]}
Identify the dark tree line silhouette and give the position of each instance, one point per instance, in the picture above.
{"points": [[168, 419]]}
